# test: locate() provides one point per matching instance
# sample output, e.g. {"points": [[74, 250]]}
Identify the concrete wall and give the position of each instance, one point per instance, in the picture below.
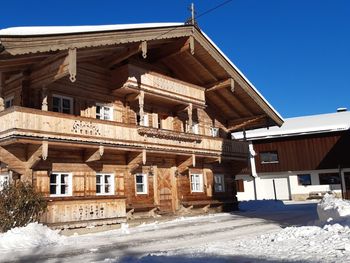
{"points": [[286, 185]]}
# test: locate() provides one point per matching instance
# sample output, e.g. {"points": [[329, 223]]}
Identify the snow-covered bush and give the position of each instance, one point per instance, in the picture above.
{"points": [[20, 205]]}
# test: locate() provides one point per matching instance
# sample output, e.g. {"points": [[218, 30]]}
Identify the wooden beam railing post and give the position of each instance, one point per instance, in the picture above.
{"points": [[190, 121], [141, 104], [44, 103], [2, 81]]}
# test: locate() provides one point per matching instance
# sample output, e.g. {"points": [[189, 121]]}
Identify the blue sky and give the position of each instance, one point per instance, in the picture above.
{"points": [[296, 52]]}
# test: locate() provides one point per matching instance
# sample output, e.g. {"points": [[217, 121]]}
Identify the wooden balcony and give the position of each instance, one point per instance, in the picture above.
{"points": [[134, 78], [18, 122]]}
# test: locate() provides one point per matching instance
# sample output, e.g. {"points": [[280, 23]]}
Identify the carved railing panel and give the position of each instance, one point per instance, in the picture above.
{"points": [[42, 124]]}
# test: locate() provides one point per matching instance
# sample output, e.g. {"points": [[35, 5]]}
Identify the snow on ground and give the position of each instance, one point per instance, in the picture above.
{"points": [[253, 235], [334, 210], [31, 236]]}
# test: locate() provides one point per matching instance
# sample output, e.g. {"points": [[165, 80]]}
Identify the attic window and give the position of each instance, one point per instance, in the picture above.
{"points": [[269, 157]]}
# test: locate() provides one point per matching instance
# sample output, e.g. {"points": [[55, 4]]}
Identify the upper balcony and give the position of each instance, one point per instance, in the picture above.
{"points": [[132, 79], [27, 123]]}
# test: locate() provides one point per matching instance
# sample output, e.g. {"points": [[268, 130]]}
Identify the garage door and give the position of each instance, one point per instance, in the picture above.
{"points": [[267, 191]]}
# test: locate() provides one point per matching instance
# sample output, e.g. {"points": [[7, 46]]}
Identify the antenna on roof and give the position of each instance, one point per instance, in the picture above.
{"points": [[192, 20]]}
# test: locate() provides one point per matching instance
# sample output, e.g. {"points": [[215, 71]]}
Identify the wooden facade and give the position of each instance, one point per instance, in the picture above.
{"points": [[301, 153], [103, 123]]}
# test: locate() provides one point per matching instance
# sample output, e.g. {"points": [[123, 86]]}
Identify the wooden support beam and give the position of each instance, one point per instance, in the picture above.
{"points": [[141, 104], [12, 161], [144, 157], [184, 165], [174, 49], [203, 68], [190, 119], [45, 150], [134, 160], [55, 68], [2, 86], [93, 155], [222, 84], [144, 49], [242, 123], [121, 56], [33, 156], [44, 102], [132, 97]]}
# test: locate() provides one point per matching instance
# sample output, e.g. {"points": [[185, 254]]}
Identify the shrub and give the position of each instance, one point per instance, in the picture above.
{"points": [[20, 205]]}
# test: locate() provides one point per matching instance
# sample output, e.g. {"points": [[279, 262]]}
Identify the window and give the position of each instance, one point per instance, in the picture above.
{"points": [[196, 183], [60, 184], [141, 183], [329, 178], [239, 185], [195, 128], [8, 102], [304, 179], [214, 132], [104, 112], [145, 121], [4, 179], [62, 104], [104, 184], [219, 183], [269, 157]]}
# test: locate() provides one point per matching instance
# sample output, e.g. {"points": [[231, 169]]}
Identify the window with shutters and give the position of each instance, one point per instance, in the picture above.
{"points": [[219, 183]]}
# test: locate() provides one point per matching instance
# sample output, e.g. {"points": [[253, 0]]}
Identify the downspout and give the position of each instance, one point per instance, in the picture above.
{"points": [[252, 166]]}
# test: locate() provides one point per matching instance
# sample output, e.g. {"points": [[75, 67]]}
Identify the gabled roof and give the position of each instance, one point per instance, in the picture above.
{"points": [[57, 30], [243, 105], [298, 126]]}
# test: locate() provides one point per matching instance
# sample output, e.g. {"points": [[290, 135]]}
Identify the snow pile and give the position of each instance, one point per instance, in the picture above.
{"points": [[332, 209], [302, 243], [261, 205], [33, 235]]}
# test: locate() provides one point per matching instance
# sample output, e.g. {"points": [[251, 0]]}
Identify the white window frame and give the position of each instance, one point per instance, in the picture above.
{"points": [[58, 186], [197, 179], [195, 127], [9, 99], [4, 179], [103, 175], [102, 115], [214, 131], [144, 182], [145, 120], [61, 103], [222, 183]]}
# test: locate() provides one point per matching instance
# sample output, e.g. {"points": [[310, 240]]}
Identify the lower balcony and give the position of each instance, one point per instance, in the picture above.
{"points": [[27, 123]]}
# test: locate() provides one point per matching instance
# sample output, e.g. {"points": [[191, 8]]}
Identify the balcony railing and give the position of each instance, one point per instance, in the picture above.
{"points": [[161, 85], [32, 123]]}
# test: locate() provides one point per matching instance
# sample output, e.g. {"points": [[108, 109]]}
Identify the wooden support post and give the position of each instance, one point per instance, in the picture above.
{"points": [[141, 104], [144, 160], [191, 45], [45, 149], [2, 81], [190, 121], [44, 104], [144, 49], [72, 64]]}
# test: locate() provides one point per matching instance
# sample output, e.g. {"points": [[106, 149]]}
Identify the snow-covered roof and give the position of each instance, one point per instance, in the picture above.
{"points": [[330, 122], [54, 30]]}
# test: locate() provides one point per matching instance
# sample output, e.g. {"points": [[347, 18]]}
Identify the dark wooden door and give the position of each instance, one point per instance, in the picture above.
{"points": [[347, 185]]}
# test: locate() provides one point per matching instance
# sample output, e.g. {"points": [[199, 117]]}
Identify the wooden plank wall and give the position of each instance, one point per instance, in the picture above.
{"points": [[312, 152]]}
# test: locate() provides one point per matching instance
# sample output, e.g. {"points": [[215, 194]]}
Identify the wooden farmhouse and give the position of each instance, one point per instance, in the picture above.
{"points": [[106, 121], [303, 159]]}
